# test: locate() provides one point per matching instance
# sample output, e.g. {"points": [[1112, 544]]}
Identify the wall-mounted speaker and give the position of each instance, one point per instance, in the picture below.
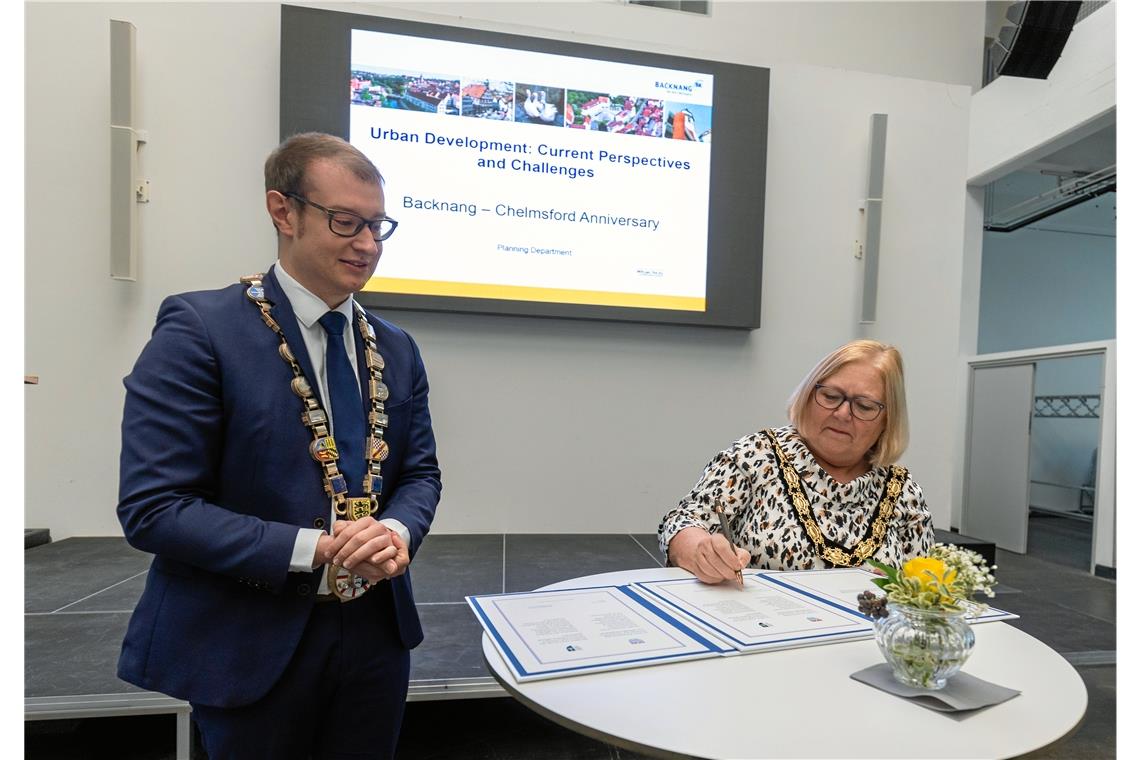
{"points": [[1031, 44], [127, 190], [874, 217]]}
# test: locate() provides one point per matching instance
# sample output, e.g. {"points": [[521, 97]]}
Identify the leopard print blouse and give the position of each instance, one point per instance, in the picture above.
{"points": [[745, 479]]}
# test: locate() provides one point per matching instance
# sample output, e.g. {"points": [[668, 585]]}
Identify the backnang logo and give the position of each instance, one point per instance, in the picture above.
{"points": [[686, 89]]}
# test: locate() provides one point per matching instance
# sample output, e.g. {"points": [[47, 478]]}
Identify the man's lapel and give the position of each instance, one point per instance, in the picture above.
{"points": [[282, 311], [362, 365]]}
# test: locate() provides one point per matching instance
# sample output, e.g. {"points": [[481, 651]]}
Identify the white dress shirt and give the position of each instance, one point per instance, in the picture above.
{"points": [[309, 309]]}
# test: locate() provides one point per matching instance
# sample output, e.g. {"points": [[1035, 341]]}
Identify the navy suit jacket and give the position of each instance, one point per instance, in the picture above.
{"points": [[216, 478]]}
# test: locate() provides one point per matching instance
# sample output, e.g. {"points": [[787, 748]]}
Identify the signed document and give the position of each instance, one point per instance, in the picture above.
{"points": [[550, 634], [555, 633], [762, 615]]}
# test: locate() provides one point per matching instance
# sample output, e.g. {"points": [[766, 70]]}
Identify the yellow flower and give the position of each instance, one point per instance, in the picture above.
{"points": [[920, 568]]}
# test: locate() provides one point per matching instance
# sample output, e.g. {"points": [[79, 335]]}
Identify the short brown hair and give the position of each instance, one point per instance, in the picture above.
{"points": [[287, 165], [888, 361]]}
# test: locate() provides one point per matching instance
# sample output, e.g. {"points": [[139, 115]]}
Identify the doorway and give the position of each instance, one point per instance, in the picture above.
{"points": [[1064, 446], [1035, 482]]}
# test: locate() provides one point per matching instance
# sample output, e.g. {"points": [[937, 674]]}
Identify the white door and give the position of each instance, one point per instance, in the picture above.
{"points": [[997, 487]]}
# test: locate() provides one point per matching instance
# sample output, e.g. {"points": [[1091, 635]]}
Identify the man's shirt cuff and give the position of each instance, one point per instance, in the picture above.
{"points": [[304, 549], [400, 528]]}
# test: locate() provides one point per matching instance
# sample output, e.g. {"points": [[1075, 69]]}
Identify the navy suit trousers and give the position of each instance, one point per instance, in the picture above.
{"points": [[341, 696]]}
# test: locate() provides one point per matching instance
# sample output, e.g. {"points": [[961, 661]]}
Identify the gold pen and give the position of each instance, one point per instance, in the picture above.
{"points": [[727, 531]]}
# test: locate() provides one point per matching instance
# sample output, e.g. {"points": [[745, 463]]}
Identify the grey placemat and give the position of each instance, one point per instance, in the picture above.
{"points": [[962, 692]]}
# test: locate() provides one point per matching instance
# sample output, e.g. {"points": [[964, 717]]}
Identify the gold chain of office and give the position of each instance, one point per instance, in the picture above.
{"points": [[323, 448], [830, 551]]}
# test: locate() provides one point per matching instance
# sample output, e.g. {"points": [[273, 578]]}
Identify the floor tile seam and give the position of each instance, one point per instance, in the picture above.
{"points": [[441, 604], [1064, 573], [1080, 582], [1086, 614], [1059, 585], [118, 612], [1036, 599], [86, 698], [1044, 598], [642, 547], [79, 612], [113, 585], [103, 566], [1091, 657]]}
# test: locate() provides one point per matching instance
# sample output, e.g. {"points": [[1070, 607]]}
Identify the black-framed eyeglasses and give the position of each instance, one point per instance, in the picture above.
{"points": [[862, 408], [347, 224]]}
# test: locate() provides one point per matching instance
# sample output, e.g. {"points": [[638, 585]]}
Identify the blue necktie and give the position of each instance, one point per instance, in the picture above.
{"points": [[344, 397]]}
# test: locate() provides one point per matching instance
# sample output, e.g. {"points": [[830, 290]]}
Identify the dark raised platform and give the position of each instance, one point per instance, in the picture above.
{"points": [[74, 622], [85, 615], [985, 548], [34, 537]]}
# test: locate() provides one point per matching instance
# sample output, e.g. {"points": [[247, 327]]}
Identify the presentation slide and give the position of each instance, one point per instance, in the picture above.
{"points": [[526, 176]]}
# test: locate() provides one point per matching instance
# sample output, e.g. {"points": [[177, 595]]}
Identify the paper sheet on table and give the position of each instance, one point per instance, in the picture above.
{"points": [[549, 634], [567, 632], [762, 615]]}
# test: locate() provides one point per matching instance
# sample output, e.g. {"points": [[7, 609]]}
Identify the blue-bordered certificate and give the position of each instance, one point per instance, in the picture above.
{"points": [[762, 615], [545, 634], [548, 634]]}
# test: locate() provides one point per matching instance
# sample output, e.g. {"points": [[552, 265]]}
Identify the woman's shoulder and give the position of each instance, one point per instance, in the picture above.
{"points": [[760, 440], [911, 491], [909, 483], [793, 446], [739, 454], [751, 454], [911, 487]]}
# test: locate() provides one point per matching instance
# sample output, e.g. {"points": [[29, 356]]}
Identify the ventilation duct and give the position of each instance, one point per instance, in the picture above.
{"points": [[1069, 193]]}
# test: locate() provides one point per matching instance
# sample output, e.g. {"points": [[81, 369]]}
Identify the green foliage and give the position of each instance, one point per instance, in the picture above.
{"points": [[892, 573], [965, 574]]}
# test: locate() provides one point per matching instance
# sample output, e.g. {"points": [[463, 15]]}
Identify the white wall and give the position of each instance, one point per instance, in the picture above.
{"points": [[1046, 288], [1014, 122], [543, 425], [922, 39]]}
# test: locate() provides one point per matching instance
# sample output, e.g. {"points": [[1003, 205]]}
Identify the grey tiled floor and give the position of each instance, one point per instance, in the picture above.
{"points": [[1068, 609], [1073, 612], [1063, 540], [447, 568]]}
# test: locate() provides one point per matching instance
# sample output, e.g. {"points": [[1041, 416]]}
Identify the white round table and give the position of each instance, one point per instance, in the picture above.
{"points": [[801, 703]]}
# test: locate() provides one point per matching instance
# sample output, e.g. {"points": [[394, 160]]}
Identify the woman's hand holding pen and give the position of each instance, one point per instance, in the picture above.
{"points": [[710, 557]]}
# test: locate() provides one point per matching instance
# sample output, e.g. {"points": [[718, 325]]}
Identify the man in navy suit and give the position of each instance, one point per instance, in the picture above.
{"points": [[230, 476]]}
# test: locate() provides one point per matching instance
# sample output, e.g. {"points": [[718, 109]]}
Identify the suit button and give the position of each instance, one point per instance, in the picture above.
{"points": [[319, 523], [303, 589]]}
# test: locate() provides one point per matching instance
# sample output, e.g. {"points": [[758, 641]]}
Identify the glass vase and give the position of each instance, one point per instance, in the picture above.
{"points": [[924, 647]]}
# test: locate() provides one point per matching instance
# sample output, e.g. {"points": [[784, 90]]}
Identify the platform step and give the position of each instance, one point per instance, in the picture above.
{"points": [[985, 548], [36, 537]]}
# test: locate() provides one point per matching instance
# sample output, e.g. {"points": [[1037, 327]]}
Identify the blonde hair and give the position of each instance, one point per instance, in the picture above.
{"points": [[888, 361]]}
